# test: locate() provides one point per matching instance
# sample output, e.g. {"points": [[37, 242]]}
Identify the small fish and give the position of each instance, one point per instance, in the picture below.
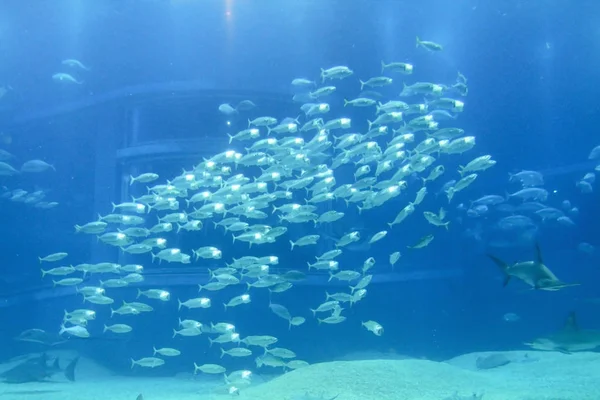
{"points": [[53, 257], [423, 242], [378, 236], [148, 362], [245, 105], [394, 257], [511, 317], [36, 166], [296, 321], [302, 82], [403, 68], [431, 46], [227, 109], [280, 311], [70, 62], [66, 78], [305, 241], [374, 327]]}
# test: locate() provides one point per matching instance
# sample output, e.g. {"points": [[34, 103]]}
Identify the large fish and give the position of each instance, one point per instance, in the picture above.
{"points": [[38, 369], [569, 339], [534, 273]]}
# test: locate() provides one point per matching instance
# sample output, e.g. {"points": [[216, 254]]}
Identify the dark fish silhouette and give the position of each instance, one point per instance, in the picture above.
{"points": [[38, 369], [569, 339], [53, 339], [39, 336], [534, 273], [491, 361]]}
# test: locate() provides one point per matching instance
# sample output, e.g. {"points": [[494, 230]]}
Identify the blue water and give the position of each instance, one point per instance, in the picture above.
{"points": [[532, 104]]}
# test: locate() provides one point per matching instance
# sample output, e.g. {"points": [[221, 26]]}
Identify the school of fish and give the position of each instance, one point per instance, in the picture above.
{"points": [[373, 150]]}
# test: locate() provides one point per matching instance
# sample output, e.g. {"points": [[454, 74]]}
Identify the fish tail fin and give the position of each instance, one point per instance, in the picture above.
{"points": [[503, 266], [70, 370]]}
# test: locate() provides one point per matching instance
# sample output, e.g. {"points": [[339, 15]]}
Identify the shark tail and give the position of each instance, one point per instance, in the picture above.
{"points": [[503, 266], [70, 370]]}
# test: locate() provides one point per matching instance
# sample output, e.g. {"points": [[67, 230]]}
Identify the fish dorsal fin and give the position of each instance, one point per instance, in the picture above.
{"points": [[571, 322], [538, 254]]}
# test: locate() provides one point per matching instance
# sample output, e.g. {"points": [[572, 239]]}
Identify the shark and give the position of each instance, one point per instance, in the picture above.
{"points": [[569, 339], [38, 369], [40, 336], [534, 273]]}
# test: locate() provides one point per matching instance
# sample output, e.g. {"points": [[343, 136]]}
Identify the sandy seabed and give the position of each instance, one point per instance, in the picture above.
{"points": [[537, 376]]}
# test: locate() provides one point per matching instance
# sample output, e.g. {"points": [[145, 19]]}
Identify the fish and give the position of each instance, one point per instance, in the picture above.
{"points": [[428, 45], [492, 361], [569, 339], [40, 336], [227, 109], [283, 183], [62, 77], [73, 63], [534, 273], [38, 369]]}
